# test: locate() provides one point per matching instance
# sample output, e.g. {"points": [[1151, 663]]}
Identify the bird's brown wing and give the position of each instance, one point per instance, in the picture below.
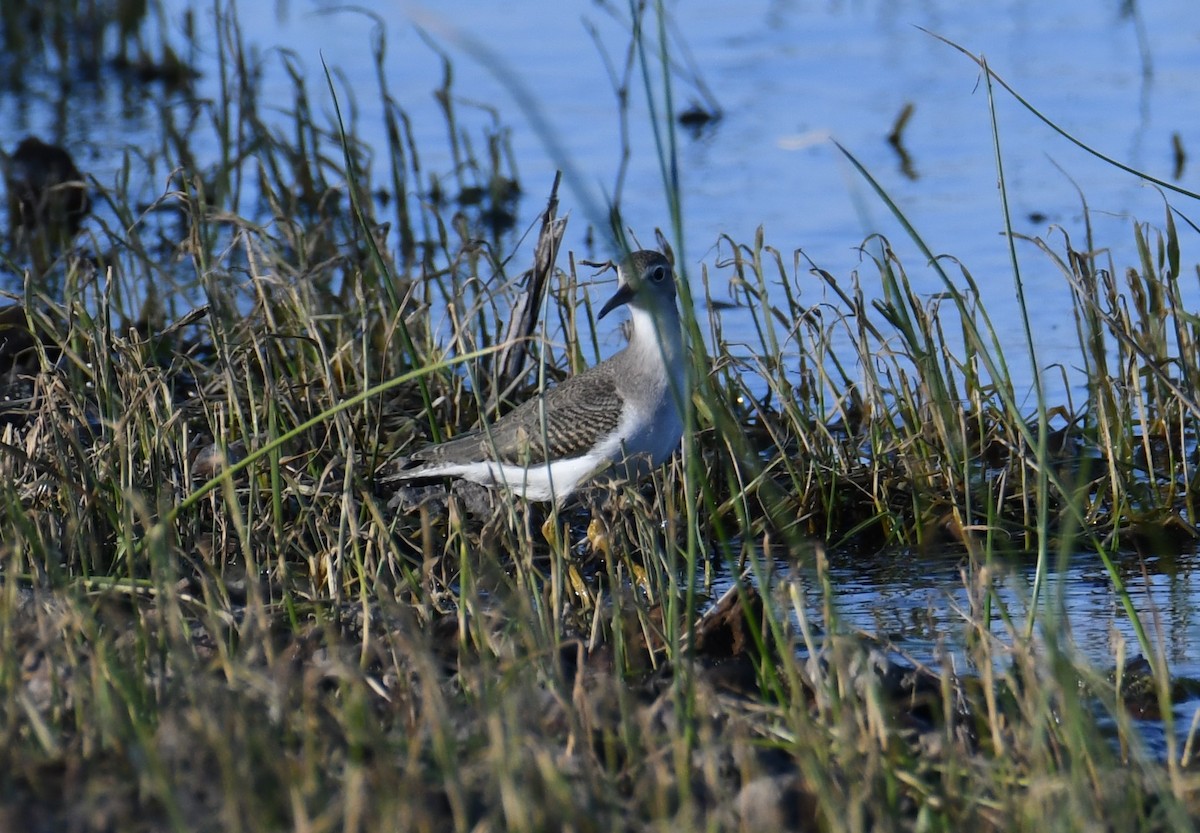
{"points": [[565, 421]]}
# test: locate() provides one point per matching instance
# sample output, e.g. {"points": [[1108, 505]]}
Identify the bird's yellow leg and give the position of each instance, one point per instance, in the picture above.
{"points": [[597, 536], [550, 532], [600, 539]]}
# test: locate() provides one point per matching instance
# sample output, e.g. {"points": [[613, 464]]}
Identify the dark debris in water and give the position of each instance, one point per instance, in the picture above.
{"points": [[1139, 690], [169, 70], [47, 194]]}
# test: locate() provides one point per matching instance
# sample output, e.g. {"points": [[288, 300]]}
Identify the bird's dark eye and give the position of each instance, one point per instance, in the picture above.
{"points": [[658, 274]]}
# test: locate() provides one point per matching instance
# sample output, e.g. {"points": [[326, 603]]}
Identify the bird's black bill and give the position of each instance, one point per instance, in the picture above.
{"points": [[623, 296]]}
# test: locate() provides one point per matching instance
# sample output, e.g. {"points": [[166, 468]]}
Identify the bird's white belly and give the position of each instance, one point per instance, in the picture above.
{"points": [[653, 437], [639, 443], [551, 481]]}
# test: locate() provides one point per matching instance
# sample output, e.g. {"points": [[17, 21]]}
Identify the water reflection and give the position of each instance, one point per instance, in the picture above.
{"points": [[920, 608], [923, 605]]}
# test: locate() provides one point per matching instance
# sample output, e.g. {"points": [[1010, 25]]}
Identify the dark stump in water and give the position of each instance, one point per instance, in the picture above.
{"points": [[46, 192]]}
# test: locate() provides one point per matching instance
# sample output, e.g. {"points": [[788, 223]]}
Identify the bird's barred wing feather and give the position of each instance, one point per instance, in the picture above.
{"points": [[564, 422]]}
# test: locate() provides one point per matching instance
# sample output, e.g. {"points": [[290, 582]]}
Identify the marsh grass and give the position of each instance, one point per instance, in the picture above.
{"points": [[214, 617]]}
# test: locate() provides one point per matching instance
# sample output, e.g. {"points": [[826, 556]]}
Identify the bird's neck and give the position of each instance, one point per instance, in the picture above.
{"points": [[656, 337]]}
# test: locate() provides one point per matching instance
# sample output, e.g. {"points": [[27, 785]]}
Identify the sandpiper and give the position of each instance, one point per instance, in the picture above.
{"points": [[623, 411]]}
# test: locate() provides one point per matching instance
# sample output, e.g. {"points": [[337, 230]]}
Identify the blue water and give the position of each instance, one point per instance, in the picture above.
{"points": [[791, 77], [924, 608]]}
